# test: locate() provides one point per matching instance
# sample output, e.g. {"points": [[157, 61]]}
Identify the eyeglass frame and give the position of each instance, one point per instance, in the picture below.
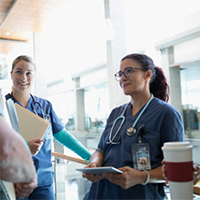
{"points": [[118, 78]]}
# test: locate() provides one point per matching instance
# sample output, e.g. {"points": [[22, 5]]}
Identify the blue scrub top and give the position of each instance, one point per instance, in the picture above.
{"points": [[42, 160], [162, 124]]}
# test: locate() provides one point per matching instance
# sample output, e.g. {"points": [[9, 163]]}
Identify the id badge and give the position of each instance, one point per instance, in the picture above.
{"points": [[48, 133], [141, 156]]}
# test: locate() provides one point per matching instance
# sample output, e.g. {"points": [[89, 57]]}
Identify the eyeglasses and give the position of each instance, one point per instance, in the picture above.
{"points": [[127, 72]]}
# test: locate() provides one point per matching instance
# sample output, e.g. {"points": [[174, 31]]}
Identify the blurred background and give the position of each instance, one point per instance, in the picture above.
{"points": [[77, 46]]}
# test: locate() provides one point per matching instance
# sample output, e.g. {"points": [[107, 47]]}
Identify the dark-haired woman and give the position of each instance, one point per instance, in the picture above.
{"points": [[136, 131]]}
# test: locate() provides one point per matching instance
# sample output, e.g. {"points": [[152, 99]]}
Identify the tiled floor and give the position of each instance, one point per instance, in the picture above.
{"points": [[73, 192]]}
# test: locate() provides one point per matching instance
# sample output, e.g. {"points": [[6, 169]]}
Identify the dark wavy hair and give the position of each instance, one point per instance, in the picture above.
{"points": [[24, 58], [158, 84]]}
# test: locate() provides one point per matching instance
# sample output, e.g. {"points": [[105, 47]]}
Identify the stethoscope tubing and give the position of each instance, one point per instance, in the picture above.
{"points": [[122, 116], [36, 102]]}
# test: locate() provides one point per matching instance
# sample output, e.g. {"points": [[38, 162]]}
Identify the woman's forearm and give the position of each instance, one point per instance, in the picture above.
{"points": [[69, 141], [97, 157], [156, 175]]}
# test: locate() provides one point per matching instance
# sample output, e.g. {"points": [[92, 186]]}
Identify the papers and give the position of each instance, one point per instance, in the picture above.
{"points": [[100, 170], [8, 190], [12, 114], [1, 104], [31, 126]]}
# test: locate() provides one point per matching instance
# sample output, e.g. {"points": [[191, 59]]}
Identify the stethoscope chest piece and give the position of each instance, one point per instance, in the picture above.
{"points": [[131, 131]]}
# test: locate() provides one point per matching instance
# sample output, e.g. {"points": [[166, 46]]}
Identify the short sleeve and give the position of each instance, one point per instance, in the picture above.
{"points": [[57, 125], [172, 127]]}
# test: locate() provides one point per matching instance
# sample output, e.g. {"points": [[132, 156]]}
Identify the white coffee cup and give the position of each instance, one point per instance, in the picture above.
{"points": [[179, 169]]}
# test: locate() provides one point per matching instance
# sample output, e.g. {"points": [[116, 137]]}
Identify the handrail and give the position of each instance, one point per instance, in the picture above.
{"points": [[196, 190], [81, 161], [73, 159]]}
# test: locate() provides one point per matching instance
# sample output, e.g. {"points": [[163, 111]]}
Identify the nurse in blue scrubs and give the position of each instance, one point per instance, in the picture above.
{"points": [[134, 135], [23, 76]]}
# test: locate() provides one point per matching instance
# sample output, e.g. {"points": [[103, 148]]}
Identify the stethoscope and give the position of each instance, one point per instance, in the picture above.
{"points": [[33, 106], [131, 130]]}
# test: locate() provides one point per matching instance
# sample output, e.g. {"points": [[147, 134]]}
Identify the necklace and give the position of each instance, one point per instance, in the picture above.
{"points": [[131, 130]]}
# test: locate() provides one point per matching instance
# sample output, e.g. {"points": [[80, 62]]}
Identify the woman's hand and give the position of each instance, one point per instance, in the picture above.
{"points": [[164, 172], [196, 172], [92, 177], [35, 146], [129, 178], [23, 190]]}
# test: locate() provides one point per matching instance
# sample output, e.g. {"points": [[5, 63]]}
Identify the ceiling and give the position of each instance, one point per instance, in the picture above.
{"points": [[20, 18]]}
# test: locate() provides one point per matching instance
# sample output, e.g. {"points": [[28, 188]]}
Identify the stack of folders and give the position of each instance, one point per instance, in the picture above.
{"points": [[26, 123]]}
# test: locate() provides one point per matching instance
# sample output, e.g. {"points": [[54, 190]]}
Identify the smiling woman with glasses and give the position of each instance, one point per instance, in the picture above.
{"points": [[134, 135], [127, 72]]}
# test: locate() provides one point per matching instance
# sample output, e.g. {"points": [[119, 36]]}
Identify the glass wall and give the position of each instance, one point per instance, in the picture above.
{"points": [[64, 106], [3, 69], [96, 108], [190, 86]]}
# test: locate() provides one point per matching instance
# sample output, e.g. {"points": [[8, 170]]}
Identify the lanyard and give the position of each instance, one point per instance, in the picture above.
{"points": [[131, 130]]}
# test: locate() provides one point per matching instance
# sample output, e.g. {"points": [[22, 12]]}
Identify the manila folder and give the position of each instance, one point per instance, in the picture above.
{"points": [[31, 126]]}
